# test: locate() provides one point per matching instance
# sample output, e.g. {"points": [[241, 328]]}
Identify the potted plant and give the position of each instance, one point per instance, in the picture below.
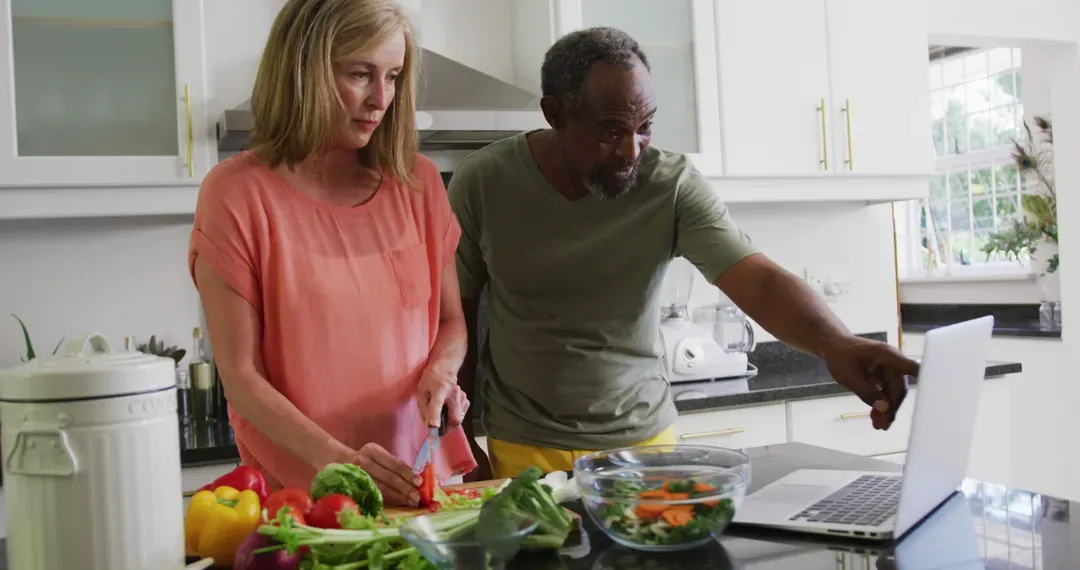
{"points": [[1036, 232], [30, 354]]}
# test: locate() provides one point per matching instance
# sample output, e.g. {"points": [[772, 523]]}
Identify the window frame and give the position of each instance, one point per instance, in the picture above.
{"points": [[907, 215]]}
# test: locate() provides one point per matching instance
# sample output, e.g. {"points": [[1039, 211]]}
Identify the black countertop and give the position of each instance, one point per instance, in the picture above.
{"points": [[767, 386], [778, 386], [1009, 320], [987, 526]]}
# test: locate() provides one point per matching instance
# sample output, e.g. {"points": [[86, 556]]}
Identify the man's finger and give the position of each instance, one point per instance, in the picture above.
{"points": [[454, 410], [868, 393]]}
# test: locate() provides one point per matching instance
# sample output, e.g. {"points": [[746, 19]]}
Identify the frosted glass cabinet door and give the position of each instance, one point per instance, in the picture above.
{"points": [[98, 92], [678, 37]]}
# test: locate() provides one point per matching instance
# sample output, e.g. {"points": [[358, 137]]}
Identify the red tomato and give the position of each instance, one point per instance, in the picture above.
{"points": [[469, 493], [291, 513], [324, 514], [298, 499]]}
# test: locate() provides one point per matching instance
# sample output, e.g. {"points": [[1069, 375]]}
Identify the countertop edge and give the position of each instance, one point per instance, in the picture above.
{"points": [[221, 455]]}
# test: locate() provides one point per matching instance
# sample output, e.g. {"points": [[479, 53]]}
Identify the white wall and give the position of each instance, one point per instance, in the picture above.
{"points": [[843, 242], [118, 277], [123, 277]]}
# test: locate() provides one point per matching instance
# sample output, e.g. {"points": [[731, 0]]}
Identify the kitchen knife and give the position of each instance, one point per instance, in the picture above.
{"points": [[430, 446]]}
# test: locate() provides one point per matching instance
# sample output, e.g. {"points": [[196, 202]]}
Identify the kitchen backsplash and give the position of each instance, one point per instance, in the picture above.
{"points": [[129, 276]]}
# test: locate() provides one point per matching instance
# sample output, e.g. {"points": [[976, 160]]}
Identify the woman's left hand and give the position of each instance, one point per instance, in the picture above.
{"points": [[439, 387]]}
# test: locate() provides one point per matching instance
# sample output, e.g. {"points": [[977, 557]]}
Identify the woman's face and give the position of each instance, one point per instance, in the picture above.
{"points": [[366, 83]]}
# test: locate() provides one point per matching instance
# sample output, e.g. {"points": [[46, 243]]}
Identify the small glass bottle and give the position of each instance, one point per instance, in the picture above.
{"points": [[202, 382]]}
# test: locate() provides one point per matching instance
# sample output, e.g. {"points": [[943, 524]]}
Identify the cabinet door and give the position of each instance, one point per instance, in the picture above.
{"points": [[879, 68], [678, 37], [102, 92], [734, 428], [774, 87]]}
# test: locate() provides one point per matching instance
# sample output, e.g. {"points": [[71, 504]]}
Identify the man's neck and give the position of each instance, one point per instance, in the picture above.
{"points": [[544, 148]]}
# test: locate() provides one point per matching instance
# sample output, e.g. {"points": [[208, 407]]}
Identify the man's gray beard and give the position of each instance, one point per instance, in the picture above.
{"points": [[595, 186]]}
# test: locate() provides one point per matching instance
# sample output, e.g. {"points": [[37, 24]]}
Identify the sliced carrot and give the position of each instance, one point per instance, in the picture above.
{"points": [[677, 518], [700, 487], [678, 496], [684, 508], [649, 511], [711, 503], [667, 486], [654, 494]]}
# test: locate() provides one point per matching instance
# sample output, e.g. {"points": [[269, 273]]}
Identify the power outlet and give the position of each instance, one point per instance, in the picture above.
{"points": [[814, 282]]}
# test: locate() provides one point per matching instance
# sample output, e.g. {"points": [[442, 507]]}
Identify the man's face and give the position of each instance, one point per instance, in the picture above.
{"points": [[603, 141]]}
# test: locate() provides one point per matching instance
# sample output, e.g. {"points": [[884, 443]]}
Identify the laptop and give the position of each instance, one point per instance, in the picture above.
{"points": [[883, 506]]}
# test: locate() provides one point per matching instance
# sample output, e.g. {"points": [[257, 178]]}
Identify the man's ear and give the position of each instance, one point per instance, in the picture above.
{"points": [[554, 112]]}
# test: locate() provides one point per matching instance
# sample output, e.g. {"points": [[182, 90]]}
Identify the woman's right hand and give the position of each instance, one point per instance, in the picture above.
{"points": [[394, 478]]}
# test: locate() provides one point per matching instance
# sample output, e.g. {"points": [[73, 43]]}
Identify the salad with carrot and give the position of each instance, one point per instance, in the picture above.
{"points": [[678, 512]]}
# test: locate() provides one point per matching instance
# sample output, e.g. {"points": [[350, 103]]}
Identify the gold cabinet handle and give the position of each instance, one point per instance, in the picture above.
{"points": [[729, 431], [850, 162], [190, 141], [824, 137], [854, 415]]}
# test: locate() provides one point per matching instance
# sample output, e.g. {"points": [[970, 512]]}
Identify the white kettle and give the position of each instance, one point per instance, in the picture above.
{"points": [[91, 461]]}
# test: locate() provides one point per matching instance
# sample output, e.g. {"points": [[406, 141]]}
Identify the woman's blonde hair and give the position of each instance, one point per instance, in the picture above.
{"points": [[295, 104]]}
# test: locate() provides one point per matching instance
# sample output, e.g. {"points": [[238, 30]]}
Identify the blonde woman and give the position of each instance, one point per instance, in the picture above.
{"points": [[324, 257]]}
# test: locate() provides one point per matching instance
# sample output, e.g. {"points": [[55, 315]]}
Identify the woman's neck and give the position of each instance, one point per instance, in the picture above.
{"points": [[336, 177]]}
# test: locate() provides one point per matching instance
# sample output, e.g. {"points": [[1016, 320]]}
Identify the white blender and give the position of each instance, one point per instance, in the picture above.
{"points": [[706, 350]]}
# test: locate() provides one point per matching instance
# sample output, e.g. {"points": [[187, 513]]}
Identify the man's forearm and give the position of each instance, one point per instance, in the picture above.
{"points": [[783, 305], [467, 372]]}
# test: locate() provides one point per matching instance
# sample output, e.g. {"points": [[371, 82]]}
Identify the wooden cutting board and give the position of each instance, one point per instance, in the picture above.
{"points": [[417, 511]]}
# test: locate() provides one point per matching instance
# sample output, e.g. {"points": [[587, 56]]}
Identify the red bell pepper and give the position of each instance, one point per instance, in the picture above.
{"points": [[427, 485], [243, 478]]}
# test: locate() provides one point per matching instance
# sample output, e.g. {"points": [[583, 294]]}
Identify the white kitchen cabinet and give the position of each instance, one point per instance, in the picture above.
{"points": [[102, 93], [774, 79], [797, 76], [843, 423], [991, 458], [878, 63], [679, 39], [736, 428]]}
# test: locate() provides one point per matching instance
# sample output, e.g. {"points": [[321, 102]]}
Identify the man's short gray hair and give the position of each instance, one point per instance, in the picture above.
{"points": [[568, 61]]}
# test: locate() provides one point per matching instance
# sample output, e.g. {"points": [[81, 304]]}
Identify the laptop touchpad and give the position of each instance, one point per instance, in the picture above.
{"points": [[793, 493]]}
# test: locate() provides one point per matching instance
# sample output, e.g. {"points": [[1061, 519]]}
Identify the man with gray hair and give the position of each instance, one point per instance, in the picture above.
{"points": [[572, 229]]}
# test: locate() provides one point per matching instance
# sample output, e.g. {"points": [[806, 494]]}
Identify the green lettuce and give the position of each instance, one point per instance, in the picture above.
{"points": [[347, 479]]}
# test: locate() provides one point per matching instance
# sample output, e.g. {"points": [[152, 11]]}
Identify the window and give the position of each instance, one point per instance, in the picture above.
{"points": [[976, 113]]}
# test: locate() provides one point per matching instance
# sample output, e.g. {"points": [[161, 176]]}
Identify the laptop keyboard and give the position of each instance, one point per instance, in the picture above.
{"points": [[867, 501]]}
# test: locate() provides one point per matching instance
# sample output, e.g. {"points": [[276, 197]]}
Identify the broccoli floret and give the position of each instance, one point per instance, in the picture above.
{"points": [[525, 494]]}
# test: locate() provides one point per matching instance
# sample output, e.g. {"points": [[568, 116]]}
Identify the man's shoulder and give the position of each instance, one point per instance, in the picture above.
{"points": [[492, 160], [669, 171]]}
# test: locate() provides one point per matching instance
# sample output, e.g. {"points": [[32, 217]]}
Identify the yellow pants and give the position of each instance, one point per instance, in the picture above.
{"points": [[510, 459]]}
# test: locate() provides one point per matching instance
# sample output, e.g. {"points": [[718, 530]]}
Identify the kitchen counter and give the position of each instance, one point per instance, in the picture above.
{"points": [[1009, 320], [986, 526], [769, 385], [775, 386]]}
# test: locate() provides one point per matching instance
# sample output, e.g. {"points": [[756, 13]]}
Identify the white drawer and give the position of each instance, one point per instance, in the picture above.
{"points": [[737, 428], [843, 423], [194, 477]]}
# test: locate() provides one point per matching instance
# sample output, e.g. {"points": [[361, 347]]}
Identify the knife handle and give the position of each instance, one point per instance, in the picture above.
{"points": [[444, 419]]}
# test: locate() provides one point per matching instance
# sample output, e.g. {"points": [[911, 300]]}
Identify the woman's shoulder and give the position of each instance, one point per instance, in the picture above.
{"points": [[237, 180]]}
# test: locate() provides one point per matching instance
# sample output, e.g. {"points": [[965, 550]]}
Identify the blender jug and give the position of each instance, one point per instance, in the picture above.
{"points": [[733, 330]]}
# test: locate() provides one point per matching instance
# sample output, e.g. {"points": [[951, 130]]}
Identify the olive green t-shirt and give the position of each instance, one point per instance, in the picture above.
{"points": [[573, 358]]}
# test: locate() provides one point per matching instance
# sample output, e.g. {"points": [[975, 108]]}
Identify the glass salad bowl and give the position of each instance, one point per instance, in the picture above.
{"points": [[663, 497], [451, 546]]}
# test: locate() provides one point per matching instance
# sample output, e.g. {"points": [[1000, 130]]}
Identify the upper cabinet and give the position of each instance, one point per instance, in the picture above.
{"points": [[820, 87], [103, 92], [679, 39]]}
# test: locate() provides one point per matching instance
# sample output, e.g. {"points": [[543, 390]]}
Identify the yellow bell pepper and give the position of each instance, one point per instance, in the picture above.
{"points": [[218, 521]]}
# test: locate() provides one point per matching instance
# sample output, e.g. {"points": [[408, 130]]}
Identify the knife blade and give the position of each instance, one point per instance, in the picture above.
{"points": [[430, 447]]}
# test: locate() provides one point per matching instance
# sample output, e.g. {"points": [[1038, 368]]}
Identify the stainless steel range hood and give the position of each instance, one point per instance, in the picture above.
{"points": [[459, 108]]}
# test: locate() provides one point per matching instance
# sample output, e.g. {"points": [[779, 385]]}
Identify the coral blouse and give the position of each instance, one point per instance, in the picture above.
{"points": [[350, 304]]}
